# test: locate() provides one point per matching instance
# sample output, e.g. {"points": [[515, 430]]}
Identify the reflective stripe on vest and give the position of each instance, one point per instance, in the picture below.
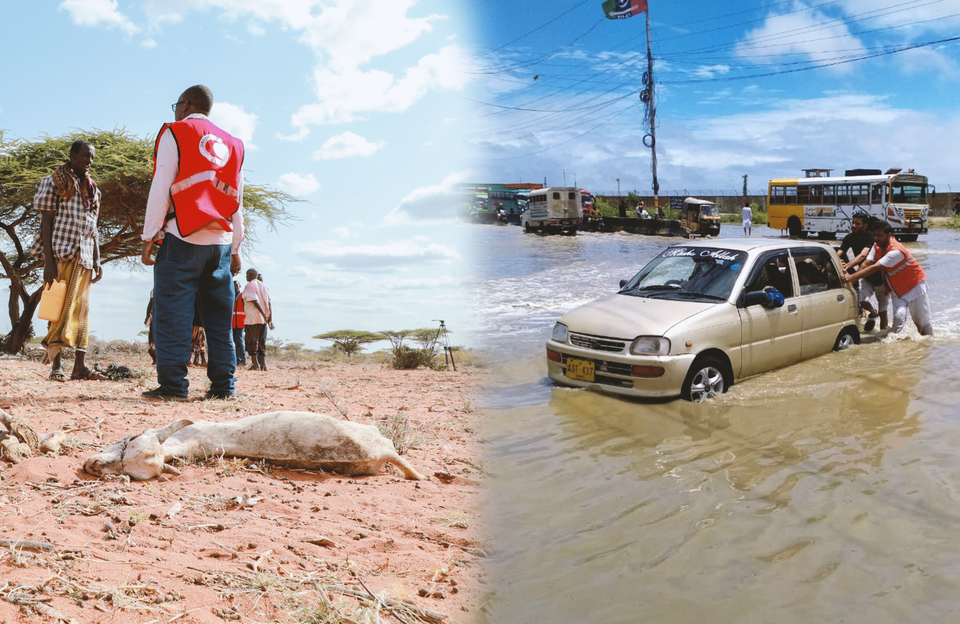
{"points": [[906, 274], [204, 176]]}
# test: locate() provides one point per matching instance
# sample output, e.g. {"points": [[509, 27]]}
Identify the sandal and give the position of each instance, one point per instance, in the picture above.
{"points": [[57, 374], [89, 374]]}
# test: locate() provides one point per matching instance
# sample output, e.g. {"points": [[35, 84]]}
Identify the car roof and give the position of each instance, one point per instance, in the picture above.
{"points": [[754, 243]]}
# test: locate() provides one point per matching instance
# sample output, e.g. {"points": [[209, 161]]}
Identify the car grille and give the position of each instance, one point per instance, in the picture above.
{"points": [[597, 344], [911, 214]]}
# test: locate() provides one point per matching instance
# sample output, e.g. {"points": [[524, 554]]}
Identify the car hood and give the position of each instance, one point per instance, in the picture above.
{"points": [[626, 316]]}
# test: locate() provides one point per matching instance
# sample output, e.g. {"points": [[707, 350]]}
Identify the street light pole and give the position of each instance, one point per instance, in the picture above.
{"points": [[564, 175], [618, 187], [574, 180]]}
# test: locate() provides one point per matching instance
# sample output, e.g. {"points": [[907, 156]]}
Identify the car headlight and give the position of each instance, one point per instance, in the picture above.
{"points": [[650, 345], [559, 333]]}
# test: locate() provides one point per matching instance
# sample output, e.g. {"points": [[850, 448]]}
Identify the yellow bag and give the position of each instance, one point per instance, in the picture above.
{"points": [[51, 301]]}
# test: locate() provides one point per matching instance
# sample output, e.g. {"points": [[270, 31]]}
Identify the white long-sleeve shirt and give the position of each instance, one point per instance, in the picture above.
{"points": [[159, 203]]}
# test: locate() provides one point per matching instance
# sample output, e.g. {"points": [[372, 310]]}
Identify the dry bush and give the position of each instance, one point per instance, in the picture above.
{"points": [[397, 429]]}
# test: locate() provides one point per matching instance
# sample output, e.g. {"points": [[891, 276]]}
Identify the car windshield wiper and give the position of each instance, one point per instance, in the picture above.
{"points": [[690, 293], [670, 287]]}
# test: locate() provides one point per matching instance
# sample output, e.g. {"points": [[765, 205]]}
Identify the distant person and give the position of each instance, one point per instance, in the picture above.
{"points": [[196, 209], [198, 347], [239, 318], [860, 242], [903, 275], [255, 326], [69, 205], [747, 221], [660, 213]]}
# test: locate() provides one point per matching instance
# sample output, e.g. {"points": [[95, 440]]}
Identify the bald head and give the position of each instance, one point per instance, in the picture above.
{"points": [[251, 275], [200, 98]]}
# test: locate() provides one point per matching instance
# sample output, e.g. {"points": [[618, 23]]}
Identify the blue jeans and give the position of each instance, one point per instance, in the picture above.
{"points": [[238, 345], [183, 271]]}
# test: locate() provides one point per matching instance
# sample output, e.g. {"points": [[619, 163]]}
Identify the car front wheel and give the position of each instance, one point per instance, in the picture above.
{"points": [[705, 380]]}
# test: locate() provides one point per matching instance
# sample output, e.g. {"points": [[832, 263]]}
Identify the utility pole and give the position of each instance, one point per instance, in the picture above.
{"points": [[618, 186], [744, 189], [651, 102], [564, 171], [574, 180]]}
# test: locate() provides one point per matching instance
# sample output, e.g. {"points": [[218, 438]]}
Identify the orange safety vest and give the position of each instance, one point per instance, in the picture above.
{"points": [[206, 188], [904, 276], [239, 315]]}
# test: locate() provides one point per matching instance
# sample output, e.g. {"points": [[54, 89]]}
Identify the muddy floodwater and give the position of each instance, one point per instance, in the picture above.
{"points": [[828, 491]]}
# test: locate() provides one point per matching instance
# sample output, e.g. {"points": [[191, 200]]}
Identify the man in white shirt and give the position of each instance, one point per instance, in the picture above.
{"points": [[905, 279], [256, 305], [195, 215], [747, 221]]}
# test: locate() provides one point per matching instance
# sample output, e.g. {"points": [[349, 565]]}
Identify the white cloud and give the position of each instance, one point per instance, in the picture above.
{"points": [[298, 185], [388, 258], [311, 278], [344, 35], [417, 283], [236, 121], [96, 12], [801, 34], [709, 71], [342, 232], [346, 145], [256, 29], [148, 43], [430, 203], [345, 94]]}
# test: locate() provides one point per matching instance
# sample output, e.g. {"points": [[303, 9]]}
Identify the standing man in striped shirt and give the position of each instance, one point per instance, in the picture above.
{"points": [[257, 308], [69, 204]]}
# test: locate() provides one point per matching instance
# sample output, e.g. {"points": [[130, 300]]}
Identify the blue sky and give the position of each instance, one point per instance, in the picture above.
{"points": [[356, 107], [557, 89]]}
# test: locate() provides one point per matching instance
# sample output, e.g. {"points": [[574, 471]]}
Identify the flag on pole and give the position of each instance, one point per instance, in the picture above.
{"points": [[622, 9]]}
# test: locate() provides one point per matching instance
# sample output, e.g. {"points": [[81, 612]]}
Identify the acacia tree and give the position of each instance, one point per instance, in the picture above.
{"points": [[122, 170], [350, 341]]}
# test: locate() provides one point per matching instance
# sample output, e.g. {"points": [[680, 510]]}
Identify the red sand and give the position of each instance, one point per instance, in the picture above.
{"points": [[167, 556]]}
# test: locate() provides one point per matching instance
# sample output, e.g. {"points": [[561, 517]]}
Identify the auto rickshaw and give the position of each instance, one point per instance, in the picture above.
{"points": [[700, 217]]}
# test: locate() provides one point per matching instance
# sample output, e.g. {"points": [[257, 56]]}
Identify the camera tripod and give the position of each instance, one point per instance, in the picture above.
{"points": [[441, 337]]}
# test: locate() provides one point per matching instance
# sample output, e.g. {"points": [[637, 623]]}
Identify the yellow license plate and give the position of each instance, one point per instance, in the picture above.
{"points": [[580, 369]]}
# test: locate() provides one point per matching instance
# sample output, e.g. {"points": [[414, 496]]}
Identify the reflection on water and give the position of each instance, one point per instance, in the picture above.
{"points": [[827, 491]]}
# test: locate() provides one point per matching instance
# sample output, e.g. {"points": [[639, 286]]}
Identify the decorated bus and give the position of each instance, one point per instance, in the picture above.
{"points": [[823, 205]]}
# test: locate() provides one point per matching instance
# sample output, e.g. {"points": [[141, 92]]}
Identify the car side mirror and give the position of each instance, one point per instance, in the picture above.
{"points": [[757, 297], [770, 298], [623, 283]]}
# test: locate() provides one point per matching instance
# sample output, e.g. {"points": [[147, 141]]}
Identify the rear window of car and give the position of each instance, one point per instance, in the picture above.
{"points": [[815, 271]]}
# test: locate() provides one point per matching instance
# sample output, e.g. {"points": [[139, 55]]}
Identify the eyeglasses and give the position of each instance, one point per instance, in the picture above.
{"points": [[173, 107]]}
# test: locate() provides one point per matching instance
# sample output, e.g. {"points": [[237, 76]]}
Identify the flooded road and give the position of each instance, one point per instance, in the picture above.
{"points": [[828, 491]]}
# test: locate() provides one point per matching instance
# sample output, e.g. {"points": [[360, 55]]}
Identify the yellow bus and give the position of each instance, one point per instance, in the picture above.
{"points": [[823, 205]]}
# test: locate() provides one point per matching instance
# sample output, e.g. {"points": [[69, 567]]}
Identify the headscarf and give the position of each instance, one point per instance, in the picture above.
{"points": [[66, 183]]}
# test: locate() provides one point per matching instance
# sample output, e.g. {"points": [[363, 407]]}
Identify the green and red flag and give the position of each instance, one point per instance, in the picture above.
{"points": [[622, 9]]}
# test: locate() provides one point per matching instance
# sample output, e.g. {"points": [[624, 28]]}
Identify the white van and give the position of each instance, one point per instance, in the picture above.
{"points": [[553, 210]]}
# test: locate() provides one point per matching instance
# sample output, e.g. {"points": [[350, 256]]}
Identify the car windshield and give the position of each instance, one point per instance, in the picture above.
{"points": [[689, 274], [709, 211]]}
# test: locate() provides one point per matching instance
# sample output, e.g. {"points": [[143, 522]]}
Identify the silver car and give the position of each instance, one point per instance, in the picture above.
{"points": [[703, 315]]}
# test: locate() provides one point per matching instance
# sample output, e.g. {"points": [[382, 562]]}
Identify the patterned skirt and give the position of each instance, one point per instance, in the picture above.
{"points": [[72, 329]]}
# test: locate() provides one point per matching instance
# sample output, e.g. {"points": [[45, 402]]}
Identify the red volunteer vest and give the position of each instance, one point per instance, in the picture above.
{"points": [[904, 276], [206, 189], [239, 315]]}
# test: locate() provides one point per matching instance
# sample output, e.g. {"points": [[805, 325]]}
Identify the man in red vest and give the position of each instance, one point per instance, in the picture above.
{"points": [[903, 275], [195, 211]]}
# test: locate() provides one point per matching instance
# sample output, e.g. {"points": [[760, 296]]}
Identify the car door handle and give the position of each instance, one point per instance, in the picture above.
{"points": [[839, 297], [791, 308]]}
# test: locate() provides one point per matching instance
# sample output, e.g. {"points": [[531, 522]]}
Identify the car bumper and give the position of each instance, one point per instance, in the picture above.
{"points": [[613, 371]]}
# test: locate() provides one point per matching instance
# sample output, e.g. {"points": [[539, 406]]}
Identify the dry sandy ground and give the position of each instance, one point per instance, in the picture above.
{"points": [[237, 540]]}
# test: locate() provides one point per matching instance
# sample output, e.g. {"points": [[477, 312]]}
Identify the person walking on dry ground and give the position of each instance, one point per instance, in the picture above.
{"points": [[256, 307], [68, 241], [196, 209]]}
